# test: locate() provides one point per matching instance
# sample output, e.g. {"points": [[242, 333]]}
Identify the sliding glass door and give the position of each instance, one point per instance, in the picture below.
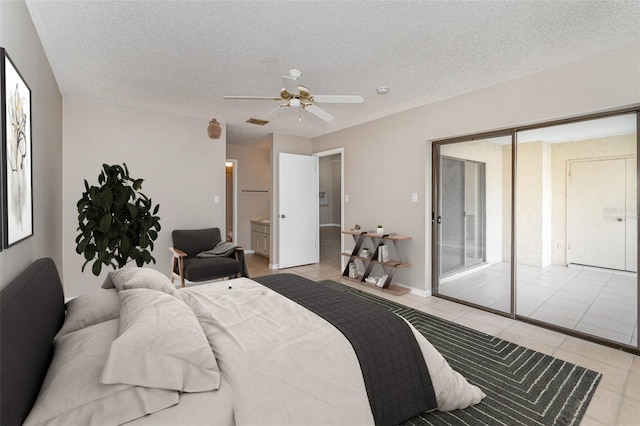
{"points": [[472, 242], [577, 227], [541, 224]]}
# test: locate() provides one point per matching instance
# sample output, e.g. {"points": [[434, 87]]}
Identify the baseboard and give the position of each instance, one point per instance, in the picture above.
{"points": [[274, 266], [421, 293], [417, 292]]}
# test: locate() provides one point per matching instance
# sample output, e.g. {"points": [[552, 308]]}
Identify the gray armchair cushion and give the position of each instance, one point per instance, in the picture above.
{"points": [[201, 269], [195, 241]]}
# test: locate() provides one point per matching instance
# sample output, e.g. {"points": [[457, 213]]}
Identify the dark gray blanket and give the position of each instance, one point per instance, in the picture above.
{"points": [[395, 374], [222, 249]]}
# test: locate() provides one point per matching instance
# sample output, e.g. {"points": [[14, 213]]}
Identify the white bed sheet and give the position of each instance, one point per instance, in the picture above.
{"points": [[281, 364], [285, 364]]}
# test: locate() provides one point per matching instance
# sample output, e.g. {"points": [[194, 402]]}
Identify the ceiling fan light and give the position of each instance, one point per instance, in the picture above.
{"points": [[294, 102], [295, 73]]}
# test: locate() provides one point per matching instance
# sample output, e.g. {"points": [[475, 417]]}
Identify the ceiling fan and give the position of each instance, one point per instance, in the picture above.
{"points": [[300, 98]]}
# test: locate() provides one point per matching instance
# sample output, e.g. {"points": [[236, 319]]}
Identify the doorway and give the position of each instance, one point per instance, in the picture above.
{"points": [[231, 201], [331, 207]]}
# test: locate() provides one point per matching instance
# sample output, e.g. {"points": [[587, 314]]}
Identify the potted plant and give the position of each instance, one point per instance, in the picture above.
{"points": [[380, 230], [117, 222]]}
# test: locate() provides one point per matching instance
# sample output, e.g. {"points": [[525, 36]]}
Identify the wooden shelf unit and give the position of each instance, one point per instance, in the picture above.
{"points": [[389, 267]]}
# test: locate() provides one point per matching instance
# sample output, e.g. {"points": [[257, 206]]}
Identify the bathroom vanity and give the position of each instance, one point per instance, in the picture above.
{"points": [[260, 236]]}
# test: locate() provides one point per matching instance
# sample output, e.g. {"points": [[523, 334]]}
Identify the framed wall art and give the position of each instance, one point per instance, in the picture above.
{"points": [[16, 168]]}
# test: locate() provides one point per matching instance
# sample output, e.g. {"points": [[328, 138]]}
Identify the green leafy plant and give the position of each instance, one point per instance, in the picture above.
{"points": [[117, 222]]}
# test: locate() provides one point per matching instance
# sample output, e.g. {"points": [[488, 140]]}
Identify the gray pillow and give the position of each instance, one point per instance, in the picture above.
{"points": [[161, 345], [72, 394], [89, 309], [135, 277]]}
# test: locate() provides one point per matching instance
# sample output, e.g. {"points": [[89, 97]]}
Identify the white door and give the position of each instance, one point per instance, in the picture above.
{"points": [[298, 210], [631, 215], [597, 213]]}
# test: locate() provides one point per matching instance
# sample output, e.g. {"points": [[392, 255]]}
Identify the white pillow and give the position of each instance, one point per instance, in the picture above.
{"points": [[72, 393], [89, 309], [161, 345], [134, 277]]}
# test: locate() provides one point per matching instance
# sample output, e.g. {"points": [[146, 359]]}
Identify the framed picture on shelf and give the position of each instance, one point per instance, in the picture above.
{"points": [[16, 168]]}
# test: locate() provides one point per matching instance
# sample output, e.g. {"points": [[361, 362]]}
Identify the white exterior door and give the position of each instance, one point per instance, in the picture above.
{"points": [[298, 210], [598, 214]]}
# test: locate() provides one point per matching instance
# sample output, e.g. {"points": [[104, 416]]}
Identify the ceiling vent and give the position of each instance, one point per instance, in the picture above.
{"points": [[257, 121]]}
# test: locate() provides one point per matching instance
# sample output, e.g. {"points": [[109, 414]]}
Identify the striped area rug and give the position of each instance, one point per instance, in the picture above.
{"points": [[523, 387]]}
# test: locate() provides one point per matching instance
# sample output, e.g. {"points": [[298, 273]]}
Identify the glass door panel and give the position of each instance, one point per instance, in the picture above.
{"points": [[452, 242], [474, 211], [577, 227], [473, 222]]}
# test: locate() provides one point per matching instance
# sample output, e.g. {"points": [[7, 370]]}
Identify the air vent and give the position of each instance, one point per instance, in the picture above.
{"points": [[257, 121]]}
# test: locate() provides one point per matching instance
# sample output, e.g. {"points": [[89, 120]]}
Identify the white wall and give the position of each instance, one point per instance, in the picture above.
{"points": [[388, 159], [182, 170], [529, 207], [19, 38]]}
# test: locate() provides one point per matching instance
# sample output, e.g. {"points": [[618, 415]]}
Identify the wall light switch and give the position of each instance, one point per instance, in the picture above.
{"points": [[346, 198], [216, 199], [414, 197]]}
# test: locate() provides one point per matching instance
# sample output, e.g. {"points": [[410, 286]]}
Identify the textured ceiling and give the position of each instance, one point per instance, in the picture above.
{"points": [[184, 56]]}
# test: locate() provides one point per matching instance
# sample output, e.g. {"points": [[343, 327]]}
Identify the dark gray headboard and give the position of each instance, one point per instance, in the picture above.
{"points": [[32, 313]]}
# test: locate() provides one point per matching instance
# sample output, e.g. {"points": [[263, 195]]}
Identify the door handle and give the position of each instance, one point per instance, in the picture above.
{"points": [[620, 219], [439, 219], [282, 216]]}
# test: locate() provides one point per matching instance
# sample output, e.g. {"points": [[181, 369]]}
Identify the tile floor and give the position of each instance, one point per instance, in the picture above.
{"points": [[597, 301], [617, 399]]}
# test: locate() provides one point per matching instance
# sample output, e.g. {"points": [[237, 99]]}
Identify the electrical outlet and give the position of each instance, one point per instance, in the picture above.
{"points": [[216, 199], [414, 197]]}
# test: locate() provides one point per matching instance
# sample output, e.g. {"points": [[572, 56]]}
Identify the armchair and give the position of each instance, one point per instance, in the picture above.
{"points": [[186, 264]]}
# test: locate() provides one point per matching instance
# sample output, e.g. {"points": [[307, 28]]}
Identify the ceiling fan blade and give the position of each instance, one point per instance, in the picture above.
{"points": [[338, 99], [319, 112], [264, 98], [291, 85], [274, 111]]}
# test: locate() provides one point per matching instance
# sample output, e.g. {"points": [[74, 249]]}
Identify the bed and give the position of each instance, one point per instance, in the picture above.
{"points": [[274, 350]]}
